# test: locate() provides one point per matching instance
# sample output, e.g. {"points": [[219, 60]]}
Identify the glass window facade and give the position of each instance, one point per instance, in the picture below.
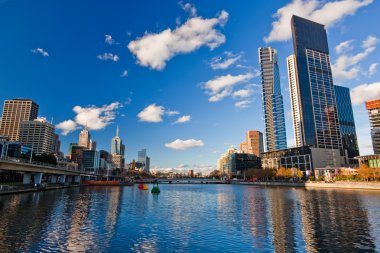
{"points": [[275, 132], [319, 117], [346, 122]]}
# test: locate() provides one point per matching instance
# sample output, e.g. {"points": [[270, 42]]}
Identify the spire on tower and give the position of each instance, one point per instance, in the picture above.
{"points": [[117, 130]]}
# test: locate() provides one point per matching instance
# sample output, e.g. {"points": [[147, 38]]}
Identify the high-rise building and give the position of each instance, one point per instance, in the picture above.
{"points": [[294, 99], [116, 144], [92, 145], [346, 123], [14, 112], [84, 138], [243, 147], [144, 159], [373, 108], [39, 135], [90, 160], [275, 133], [316, 102], [254, 142], [77, 155], [57, 144]]}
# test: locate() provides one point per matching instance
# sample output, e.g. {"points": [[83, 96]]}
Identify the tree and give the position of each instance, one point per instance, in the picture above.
{"points": [[215, 173], [365, 172]]}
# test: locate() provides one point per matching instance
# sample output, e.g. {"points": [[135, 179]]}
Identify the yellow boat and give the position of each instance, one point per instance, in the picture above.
{"points": [[146, 187]]}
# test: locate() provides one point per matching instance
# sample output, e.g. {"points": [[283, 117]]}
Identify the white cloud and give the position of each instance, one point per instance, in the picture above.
{"points": [[347, 66], [183, 119], [95, 118], [371, 41], [40, 51], [184, 144], [155, 50], [124, 74], [67, 126], [152, 113], [365, 92], [221, 86], [108, 56], [224, 62], [171, 113], [243, 93], [109, 40], [327, 13], [372, 69], [243, 103], [344, 46], [188, 7]]}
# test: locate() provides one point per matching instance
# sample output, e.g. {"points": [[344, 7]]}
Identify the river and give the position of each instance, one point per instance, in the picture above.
{"points": [[191, 218]]}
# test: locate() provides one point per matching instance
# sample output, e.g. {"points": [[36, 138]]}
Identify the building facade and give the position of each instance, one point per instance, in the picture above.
{"points": [[274, 120], [144, 159], [39, 135], [14, 112], [84, 138], [294, 99], [346, 123], [239, 163], [373, 108], [77, 155], [255, 143], [319, 124], [90, 160], [116, 144]]}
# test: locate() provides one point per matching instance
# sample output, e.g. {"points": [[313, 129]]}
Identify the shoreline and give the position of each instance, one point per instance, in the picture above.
{"points": [[320, 185]]}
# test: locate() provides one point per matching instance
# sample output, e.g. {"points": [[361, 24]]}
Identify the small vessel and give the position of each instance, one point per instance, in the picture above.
{"points": [[155, 189], [146, 187]]}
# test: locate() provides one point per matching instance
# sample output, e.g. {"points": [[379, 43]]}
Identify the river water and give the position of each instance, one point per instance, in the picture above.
{"points": [[191, 218]]}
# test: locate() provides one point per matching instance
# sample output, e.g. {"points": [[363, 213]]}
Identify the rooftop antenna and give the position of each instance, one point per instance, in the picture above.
{"points": [[51, 122], [117, 130]]}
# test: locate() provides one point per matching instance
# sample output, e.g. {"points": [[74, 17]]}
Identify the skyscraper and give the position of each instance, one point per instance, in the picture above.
{"points": [[254, 142], [14, 112], [373, 108], [116, 144], [84, 138], [143, 158], [319, 124], [39, 135], [275, 133], [294, 99], [346, 122]]}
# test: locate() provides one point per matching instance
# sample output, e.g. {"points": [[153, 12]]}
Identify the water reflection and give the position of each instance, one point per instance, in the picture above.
{"points": [[204, 218]]}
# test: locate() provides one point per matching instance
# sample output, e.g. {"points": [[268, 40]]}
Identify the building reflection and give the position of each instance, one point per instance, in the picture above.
{"points": [[335, 220]]}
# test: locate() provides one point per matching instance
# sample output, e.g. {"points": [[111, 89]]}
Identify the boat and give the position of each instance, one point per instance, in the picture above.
{"points": [[107, 183]]}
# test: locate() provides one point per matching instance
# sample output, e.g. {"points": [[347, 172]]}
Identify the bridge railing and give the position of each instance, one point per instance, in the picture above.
{"points": [[24, 161]]}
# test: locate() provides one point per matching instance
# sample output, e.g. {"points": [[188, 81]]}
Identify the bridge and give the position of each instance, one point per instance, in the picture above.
{"points": [[185, 181], [34, 172]]}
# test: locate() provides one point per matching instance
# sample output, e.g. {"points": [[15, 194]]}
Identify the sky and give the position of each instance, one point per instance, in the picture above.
{"points": [[181, 79]]}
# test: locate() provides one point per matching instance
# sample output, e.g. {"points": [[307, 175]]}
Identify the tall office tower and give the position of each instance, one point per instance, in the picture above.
{"points": [[319, 124], [14, 112], [143, 158], [84, 138], [76, 155], [254, 142], [275, 133], [373, 108], [346, 122], [294, 99], [57, 144], [39, 135], [92, 145], [243, 147], [90, 160], [116, 144]]}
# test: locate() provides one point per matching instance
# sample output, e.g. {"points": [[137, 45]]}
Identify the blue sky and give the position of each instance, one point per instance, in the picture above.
{"points": [[179, 78]]}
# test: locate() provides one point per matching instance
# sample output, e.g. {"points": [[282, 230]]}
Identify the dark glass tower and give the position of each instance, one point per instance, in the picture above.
{"points": [[275, 132], [346, 122], [319, 124]]}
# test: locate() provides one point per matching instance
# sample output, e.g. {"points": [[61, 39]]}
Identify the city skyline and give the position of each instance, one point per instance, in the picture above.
{"points": [[222, 101]]}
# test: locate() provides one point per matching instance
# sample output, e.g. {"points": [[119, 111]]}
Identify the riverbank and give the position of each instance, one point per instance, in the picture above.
{"points": [[56, 187], [336, 185]]}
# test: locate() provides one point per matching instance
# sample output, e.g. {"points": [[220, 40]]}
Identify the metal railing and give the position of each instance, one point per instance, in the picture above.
{"points": [[24, 161]]}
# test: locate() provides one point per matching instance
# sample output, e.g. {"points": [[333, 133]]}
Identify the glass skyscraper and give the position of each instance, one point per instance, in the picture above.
{"points": [[319, 124], [275, 133], [373, 108], [346, 122]]}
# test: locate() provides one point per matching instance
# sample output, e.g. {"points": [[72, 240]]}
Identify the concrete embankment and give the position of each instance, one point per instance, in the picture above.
{"points": [[15, 191], [336, 185]]}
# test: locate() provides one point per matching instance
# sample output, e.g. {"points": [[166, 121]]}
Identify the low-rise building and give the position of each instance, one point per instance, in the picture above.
{"points": [[239, 163]]}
